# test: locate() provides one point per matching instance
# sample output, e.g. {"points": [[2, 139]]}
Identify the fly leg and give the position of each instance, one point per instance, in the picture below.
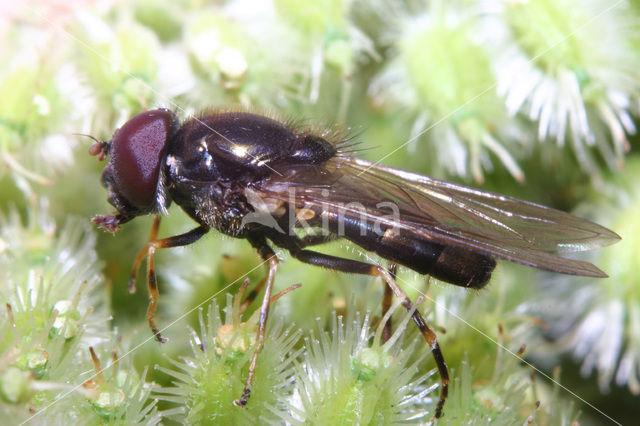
{"points": [[316, 239], [254, 292], [266, 253], [149, 251], [306, 241], [131, 285], [386, 303], [357, 267]]}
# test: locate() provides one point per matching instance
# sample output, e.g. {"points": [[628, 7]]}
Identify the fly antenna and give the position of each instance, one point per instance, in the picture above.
{"points": [[98, 148]]}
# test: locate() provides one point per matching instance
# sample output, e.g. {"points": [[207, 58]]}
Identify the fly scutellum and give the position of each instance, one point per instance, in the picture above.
{"points": [[257, 178]]}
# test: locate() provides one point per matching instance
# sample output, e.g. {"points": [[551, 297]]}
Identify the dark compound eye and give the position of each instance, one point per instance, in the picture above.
{"points": [[137, 151]]}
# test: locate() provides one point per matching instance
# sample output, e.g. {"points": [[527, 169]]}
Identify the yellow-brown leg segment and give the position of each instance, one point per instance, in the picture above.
{"points": [[386, 304], [357, 267], [131, 285], [254, 292], [252, 295], [267, 254], [175, 241], [281, 293], [152, 283]]}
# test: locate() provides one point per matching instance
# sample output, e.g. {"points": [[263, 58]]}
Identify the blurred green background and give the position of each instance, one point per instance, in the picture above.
{"points": [[536, 99]]}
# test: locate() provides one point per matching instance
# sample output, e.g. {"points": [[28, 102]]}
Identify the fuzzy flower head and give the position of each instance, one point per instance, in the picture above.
{"points": [[509, 397], [571, 67], [34, 108], [442, 79], [51, 313], [218, 49], [325, 30], [104, 390], [600, 326], [348, 375], [207, 383], [115, 393], [120, 63], [48, 274]]}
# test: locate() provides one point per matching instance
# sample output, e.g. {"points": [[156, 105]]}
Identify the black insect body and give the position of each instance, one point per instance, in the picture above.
{"points": [[256, 178]]}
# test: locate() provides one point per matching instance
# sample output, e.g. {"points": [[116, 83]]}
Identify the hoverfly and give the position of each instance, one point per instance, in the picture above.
{"points": [[254, 177]]}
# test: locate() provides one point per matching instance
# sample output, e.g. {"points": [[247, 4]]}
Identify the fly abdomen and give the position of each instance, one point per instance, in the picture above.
{"points": [[463, 267], [451, 264]]}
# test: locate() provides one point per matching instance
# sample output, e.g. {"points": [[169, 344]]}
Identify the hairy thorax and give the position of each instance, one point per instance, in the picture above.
{"points": [[220, 205]]}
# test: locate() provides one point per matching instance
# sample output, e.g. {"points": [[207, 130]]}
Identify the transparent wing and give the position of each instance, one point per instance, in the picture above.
{"points": [[443, 212]]}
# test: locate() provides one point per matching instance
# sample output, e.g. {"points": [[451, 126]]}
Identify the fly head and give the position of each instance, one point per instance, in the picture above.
{"points": [[133, 175]]}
